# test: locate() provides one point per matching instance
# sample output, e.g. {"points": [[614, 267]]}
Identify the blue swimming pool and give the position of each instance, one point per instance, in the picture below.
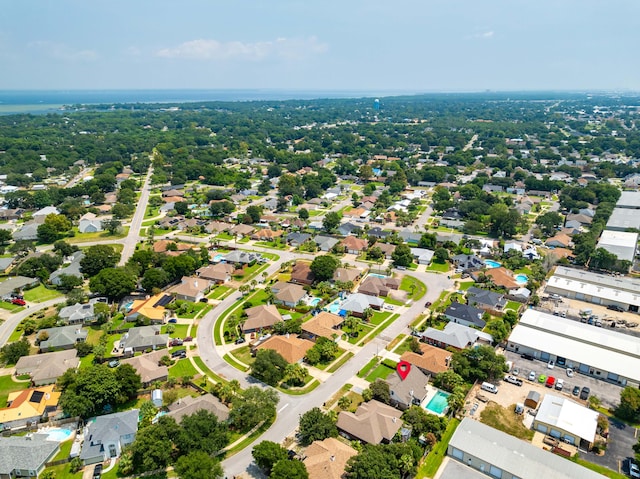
{"points": [[522, 279], [438, 403], [491, 263], [218, 257], [376, 275], [58, 434], [314, 302], [334, 307]]}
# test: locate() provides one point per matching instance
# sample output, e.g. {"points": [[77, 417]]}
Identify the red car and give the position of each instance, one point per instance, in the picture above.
{"points": [[551, 381], [18, 301], [187, 339]]}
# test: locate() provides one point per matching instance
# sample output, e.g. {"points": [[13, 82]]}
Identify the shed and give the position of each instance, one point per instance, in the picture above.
{"points": [[533, 399], [156, 397]]}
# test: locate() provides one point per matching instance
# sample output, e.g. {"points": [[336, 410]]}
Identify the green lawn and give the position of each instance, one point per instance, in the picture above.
{"points": [[271, 244], [363, 330], [14, 308], [224, 236], [8, 385], [191, 309], [219, 292], [198, 360], [439, 267], [419, 289], [243, 355], [599, 469], [180, 330], [381, 372], [368, 367], [15, 336], [40, 294], [513, 305], [182, 368], [432, 463], [379, 317], [404, 345], [231, 360], [393, 301], [465, 285], [338, 364]]}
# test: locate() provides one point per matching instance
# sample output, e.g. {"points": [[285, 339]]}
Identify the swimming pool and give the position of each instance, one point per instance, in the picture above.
{"points": [[522, 279], [438, 403], [128, 305], [217, 258], [334, 307], [314, 302], [57, 434], [376, 275], [491, 263]]}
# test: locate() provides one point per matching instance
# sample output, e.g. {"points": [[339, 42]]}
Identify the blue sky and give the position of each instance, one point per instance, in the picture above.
{"points": [[355, 45]]}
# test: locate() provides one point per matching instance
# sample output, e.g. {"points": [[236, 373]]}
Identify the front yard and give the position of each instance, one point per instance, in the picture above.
{"points": [[40, 294], [414, 287]]}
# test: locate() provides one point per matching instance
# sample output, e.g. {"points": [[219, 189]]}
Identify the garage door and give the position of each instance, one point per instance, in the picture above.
{"points": [[596, 300], [584, 368], [555, 433], [580, 296], [544, 356], [612, 377], [542, 428], [457, 453], [568, 439]]}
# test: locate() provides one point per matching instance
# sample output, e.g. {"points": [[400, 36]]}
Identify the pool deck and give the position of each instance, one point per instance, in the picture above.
{"points": [[431, 393]]}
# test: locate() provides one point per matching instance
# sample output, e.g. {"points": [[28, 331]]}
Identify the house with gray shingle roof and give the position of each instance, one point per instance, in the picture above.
{"points": [[325, 243], [48, 367], [106, 436], [485, 299], [64, 337], [77, 313], [72, 269], [465, 315], [188, 405], [144, 337], [25, 456]]}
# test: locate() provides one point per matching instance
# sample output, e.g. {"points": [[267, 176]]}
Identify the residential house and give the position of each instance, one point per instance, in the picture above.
{"points": [[10, 214], [5, 263], [501, 277], [410, 237], [46, 211], [422, 256], [152, 308], [173, 192], [297, 239], [240, 258], [408, 391], [325, 325], [25, 456], [325, 243], [142, 338], [48, 367], [289, 294], [72, 269], [191, 289], [346, 274], [465, 315], [467, 262], [189, 405], [164, 246], [375, 286], [148, 367], [386, 248], [353, 245], [485, 299], [292, 348], [271, 204], [217, 227], [29, 406], [327, 459], [356, 303], [218, 273], [89, 223], [77, 313], [28, 231], [561, 240], [301, 273], [373, 422], [260, 317], [64, 337], [242, 230], [106, 436], [378, 233], [347, 229], [456, 336], [452, 218], [431, 360], [266, 235]]}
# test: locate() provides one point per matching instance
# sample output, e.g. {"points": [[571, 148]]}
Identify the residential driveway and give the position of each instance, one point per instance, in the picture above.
{"points": [[619, 447]]}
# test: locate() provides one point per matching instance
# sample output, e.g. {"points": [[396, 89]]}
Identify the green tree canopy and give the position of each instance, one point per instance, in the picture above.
{"points": [[97, 258], [198, 465], [402, 256], [267, 454], [316, 426], [289, 469], [114, 283], [478, 364], [323, 267], [253, 406], [269, 367]]}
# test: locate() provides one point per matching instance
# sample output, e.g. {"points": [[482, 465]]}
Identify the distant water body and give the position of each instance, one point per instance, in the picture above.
{"points": [[48, 101]]}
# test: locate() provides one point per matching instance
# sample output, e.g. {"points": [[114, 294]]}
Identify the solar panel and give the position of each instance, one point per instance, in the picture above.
{"points": [[166, 299], [36, 396]]}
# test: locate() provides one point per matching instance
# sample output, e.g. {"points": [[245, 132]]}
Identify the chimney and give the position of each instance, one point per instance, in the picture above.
{"points": [[394, 419], [332, 458]]}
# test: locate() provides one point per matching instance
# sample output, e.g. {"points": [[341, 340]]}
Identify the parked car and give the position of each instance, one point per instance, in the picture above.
{"points": [[240, 340], [615, 307], [532, 376], [515, 371], [188, 338], [173, 320], [527, 356], [180, 353], [559, 384], [175, 342], [584, 394], [542, 378], [551, 364], [427, 304], [97, 471], [576, 390], [513, 380], [634, 470], [570, 372], [551, 381], [204, 300], [114, 363], [18, 301]]}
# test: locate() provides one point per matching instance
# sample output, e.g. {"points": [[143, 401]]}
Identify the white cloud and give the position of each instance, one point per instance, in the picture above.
{"points": [[63, 52], [482, 35], [202, 49]]}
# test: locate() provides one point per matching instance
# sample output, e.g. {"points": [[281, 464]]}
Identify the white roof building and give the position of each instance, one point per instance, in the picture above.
{"points": [[597, 352], [566, 419], [623, 219], [620, 243], [629, 199]]}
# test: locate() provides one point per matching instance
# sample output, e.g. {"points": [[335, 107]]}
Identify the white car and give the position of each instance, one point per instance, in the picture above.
{"points": [[559, 384], [570, 372], [532, 376], [551, 364], [634, 470]]}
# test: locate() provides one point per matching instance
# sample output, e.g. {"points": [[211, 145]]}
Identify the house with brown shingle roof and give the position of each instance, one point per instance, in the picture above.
{"points": [[148, 367], [327, 459], [48, 367], [217, 226], [347, 274], [260, 317], [242, 230], [290, 294], [188, 405], [218, 273], [373, 422], [386, 248], [374, 286], [292, 348], [502, 277], [162, 246], [301, 273], [354, 245], [266, 234], [561, 240], [324, 325], [191, 289], [432, 360], [172, 192]]}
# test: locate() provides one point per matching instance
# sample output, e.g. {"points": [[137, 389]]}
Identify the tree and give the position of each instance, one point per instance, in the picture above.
{"points": [[203, 432], [87, 391], [64, 249], [5, 237], [179, 266], [269, 367], [303, 214], [478, 364], [428, 241], [331, 221], [198, 465], [295, 374], [253, 406], [323, 267], [289, 469], [384, 461], [497, 329], [254, 212], [154, 278], [423, 423], [504, 221], [59, 223], [83, 348], [441, 255], [402, 256], [267, 454], [448, 380], [46, 233], [380, 391], [549, 221], [344, 402], [112, 225], [115, 283], [97, 258], [316, 426], [151, 449], [13, 351], [629, 408], [129, 381], [69, 282]]}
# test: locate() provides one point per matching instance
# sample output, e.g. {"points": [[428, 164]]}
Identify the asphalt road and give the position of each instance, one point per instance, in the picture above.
{"points": [[136, 222], [291, 407], [9, 325]]}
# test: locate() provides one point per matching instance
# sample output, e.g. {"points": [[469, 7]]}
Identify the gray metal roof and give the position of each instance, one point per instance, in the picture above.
{"points": [[629, 199], [109, 428], [513, 455], [25, 452], [623, 218]]}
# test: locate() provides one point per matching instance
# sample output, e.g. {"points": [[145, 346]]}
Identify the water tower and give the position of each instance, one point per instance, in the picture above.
{"points": [[376, 104]]}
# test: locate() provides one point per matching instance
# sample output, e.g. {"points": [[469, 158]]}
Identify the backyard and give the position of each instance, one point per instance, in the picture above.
{"points": [[8, 385]]}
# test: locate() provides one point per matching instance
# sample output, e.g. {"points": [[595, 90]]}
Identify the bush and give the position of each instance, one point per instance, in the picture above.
{"points": [[76, 464]]}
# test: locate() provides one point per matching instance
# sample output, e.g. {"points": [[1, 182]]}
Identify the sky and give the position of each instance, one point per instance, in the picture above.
{"points": [[407, 46]]}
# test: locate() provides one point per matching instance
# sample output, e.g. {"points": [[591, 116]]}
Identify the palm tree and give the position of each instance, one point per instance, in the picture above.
{"points": [[244, 289], [367, 314], [344, 402], [264, 276], [254, 283]]}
